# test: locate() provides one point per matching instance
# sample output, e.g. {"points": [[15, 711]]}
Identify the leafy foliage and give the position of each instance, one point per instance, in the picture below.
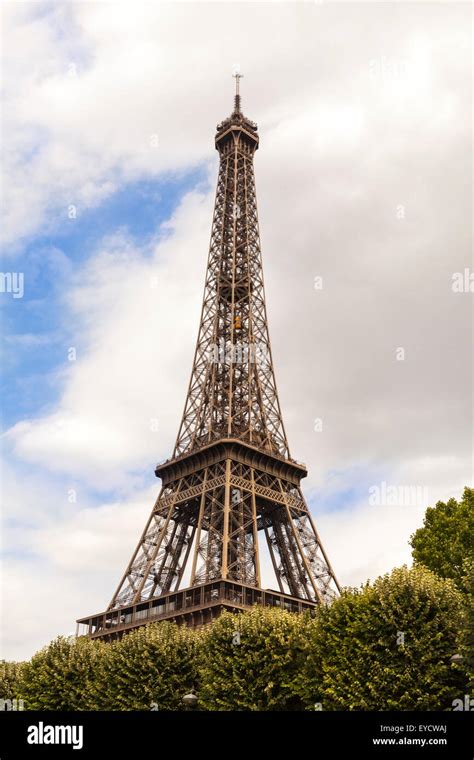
{"points": [[445, 540], [386, 646], [62, 676], [153, 666], [250, 661], [10, 679], [466, 637]]}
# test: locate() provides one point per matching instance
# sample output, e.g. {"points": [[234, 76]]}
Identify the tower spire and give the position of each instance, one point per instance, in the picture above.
{"points": [[237, 76]]}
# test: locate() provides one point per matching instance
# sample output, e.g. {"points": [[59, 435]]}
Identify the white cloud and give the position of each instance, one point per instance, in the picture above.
{"points": [[96, 85], [79, 564], [65, 553], [370, 538], [119, 408]]}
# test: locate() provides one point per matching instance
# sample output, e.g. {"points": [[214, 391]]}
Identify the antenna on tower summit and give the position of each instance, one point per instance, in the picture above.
{"points": [[237, 76]]}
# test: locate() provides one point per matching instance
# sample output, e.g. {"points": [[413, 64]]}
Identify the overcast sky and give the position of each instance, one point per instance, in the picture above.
{"points": [[363, 180]]}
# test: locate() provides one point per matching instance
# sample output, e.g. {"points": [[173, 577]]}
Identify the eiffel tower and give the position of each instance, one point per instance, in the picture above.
{"points": [[230, 479]]}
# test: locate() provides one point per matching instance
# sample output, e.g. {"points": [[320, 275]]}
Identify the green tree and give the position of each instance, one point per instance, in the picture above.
{"points": [[445, 540], [151, 667], [251, 660], [466, 636], [10, 679], [386, 646], [62, 675]]}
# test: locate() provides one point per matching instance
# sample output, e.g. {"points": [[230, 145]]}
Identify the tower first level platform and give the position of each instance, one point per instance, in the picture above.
{"points": [[194, 606]]}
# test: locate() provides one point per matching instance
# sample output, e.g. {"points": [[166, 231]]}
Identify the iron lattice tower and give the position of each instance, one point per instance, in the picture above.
{"points": [[231, 476]]}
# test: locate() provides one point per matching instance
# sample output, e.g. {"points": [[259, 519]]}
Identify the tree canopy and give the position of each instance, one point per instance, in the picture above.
{"points": [[446, 538]]}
